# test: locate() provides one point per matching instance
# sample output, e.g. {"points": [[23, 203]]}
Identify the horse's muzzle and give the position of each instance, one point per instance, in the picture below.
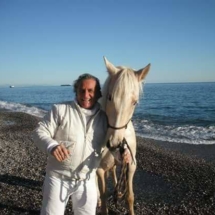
{"points": [[120, 146]]}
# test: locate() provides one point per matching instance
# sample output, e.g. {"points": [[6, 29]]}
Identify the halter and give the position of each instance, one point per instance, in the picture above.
{"points": [[117, 128], [111, 148]]}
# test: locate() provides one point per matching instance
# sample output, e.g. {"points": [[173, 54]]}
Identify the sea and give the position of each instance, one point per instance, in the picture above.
{"points": [[174, 112]]}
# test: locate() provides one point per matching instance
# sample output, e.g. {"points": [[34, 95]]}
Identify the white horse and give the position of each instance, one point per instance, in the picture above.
{"points": [[120, 95]]}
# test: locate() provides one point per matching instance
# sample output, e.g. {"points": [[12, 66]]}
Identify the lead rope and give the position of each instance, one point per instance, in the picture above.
{"points": [[121, 187]]}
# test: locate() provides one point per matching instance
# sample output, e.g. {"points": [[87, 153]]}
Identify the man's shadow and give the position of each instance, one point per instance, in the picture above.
{"points": [[18, 181], [11, 207]]}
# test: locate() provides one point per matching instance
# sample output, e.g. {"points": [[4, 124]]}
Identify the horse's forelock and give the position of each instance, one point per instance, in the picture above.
{"points": [[125, 83]]}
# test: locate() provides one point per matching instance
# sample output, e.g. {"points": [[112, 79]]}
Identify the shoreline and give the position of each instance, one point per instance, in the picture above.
{"points": [[198, 151], [171, 178]]}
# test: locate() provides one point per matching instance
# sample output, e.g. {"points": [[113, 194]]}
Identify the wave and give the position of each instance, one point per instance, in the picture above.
{"points": [[18, 107], [191, 134]]}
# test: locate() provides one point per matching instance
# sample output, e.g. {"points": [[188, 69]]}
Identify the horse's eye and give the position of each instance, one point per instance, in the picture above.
{"points": [[109, 97], [135, 103]]}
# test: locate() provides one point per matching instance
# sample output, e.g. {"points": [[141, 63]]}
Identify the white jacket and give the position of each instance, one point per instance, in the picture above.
{"points": [[65, 122]]}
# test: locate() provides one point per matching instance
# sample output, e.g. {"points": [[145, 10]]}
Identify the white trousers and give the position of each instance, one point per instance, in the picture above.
{"points": [[57, 191]]}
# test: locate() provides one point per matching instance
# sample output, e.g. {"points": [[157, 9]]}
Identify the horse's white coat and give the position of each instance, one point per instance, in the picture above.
{"points": [[120, 95]]}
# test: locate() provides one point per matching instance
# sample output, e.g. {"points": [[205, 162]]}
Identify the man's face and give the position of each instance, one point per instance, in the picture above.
{"points": [[86, 93]]}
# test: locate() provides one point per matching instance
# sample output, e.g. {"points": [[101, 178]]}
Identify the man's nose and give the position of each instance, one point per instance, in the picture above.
{"points": [[86, 93]]}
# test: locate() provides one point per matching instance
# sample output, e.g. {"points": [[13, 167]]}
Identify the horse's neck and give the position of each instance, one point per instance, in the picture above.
{"points": [[130, 129], [130, 137]]}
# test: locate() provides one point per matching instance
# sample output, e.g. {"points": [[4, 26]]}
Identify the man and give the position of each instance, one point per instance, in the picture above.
{"points": [[73, 136]]}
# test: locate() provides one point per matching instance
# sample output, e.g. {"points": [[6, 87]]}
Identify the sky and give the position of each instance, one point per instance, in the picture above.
{"points": [[52, 42]]}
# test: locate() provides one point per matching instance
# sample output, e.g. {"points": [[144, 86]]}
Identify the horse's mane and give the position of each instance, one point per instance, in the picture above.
{"points": [[126, 81]]}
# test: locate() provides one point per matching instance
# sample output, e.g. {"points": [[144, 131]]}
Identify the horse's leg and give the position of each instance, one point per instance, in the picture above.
{"points": [[130, 194], [98, 193], [114, 176], [103, 190]]}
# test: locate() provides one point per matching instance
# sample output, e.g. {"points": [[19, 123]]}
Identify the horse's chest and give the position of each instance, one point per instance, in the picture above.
{"points": [[107, 161]]}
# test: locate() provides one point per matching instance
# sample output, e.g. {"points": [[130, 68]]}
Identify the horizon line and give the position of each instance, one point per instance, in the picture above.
{"points": [[70, 85]]}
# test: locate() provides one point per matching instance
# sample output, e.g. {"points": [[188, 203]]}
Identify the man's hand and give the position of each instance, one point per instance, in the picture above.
{"points": [[60, 152]]}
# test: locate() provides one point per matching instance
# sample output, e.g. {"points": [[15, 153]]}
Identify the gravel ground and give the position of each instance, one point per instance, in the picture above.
{"points": [[170, 179]]}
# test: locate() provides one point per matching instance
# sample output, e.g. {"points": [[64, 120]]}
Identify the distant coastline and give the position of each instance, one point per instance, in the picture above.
{"points": [[65, 85]]}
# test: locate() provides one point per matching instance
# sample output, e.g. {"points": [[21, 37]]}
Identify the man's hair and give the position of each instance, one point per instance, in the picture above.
{"points": [[85, 77]]}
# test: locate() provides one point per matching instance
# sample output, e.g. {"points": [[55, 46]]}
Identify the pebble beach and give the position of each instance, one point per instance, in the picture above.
{"points": [[171, 178]]}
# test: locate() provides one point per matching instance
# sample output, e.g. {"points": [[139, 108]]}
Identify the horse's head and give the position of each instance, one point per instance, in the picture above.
{"points": [[120, 96]]}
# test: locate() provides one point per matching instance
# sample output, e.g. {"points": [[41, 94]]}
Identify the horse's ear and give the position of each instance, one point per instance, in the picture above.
{"points": [[141, 74], [110, 67]]}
